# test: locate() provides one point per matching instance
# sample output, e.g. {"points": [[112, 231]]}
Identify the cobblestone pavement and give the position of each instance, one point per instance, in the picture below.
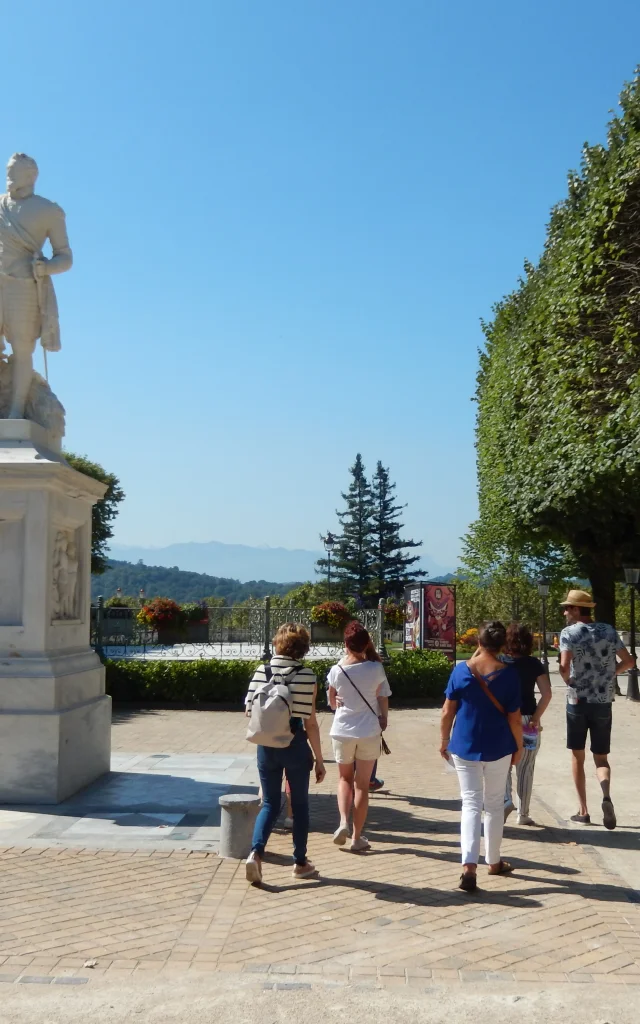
{"points": [[392, 917]]}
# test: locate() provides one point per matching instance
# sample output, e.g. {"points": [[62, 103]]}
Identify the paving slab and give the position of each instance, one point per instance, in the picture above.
{"points": [[201, 996], [133, 888], [145, 801]]}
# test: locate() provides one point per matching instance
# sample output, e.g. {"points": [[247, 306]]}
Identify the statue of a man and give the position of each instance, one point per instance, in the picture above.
{"points": [[28, 308]]}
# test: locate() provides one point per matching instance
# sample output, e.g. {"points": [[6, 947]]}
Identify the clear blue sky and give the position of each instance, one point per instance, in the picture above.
{"points": [[288, 219]]}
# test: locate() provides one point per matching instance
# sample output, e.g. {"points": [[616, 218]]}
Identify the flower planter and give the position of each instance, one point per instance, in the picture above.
{"points": [[197, 632], [321, 633], [190, 633], [118, 622], [168, 636]]}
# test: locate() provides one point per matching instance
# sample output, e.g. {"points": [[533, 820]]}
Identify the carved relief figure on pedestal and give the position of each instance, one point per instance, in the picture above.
{"points": [[71, 607], [28, 308], [64, 576]]}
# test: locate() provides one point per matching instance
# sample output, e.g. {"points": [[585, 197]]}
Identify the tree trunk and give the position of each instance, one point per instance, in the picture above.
{"points": [[602, 576]]}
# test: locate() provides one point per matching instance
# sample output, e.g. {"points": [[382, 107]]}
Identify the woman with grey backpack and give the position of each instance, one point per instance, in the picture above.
{"points": [[281, 707]]}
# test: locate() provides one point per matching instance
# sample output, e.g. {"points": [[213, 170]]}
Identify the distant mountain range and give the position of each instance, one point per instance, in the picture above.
{"points": [[159, 581], [239, 561], [184, 586]]}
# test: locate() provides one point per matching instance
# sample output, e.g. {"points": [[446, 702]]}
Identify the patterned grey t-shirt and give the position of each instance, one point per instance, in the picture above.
{"points": [[593, 667]]}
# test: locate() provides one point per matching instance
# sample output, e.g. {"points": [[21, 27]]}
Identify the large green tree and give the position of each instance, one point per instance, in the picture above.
{"points": [[514, 599], [558, 428], [392, 565], [353, 561], [104, 511], [508, 571]]}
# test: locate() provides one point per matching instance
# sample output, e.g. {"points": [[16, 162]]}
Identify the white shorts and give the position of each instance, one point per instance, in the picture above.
{"points": [[346, 751]]}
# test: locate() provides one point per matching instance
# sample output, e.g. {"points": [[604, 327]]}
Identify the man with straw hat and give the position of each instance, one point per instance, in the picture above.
{"points": [[591, 656]]}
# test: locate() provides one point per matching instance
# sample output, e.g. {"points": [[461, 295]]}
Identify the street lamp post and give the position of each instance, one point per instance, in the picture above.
{"points": [[543, 591], [329, 543], [632, 576]]}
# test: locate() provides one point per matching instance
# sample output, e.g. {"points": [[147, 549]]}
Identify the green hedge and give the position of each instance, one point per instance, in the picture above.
{"points": [[413, 675], [418, 675]]}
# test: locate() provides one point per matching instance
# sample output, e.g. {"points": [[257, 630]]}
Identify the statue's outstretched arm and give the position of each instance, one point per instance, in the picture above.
{"points": [[62, 257]]}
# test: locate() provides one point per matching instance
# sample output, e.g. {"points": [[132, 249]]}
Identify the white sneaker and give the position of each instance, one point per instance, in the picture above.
{"points": [[360, 845], [253, 868], [341, 835], [288, 823], [524, 819], [308, 870]]}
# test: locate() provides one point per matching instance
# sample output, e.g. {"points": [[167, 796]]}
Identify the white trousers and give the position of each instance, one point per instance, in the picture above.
{"points": [[482, 783]]}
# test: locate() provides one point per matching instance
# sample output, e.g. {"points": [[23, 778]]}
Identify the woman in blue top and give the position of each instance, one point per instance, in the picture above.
{"points": [[483, 697]]}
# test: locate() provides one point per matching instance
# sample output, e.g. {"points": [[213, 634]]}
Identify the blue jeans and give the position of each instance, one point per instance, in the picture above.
{"points": [[296, 761]]}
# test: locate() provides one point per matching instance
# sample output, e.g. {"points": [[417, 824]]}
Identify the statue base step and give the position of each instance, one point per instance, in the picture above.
{"points": [[47, 756], [27, 432]]}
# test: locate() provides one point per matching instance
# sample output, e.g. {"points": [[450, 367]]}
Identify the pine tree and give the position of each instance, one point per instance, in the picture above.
{"points": [[391, 565], [354, 556]]}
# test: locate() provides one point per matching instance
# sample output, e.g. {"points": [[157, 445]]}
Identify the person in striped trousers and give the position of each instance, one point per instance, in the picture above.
{"points": [[532, 674]]}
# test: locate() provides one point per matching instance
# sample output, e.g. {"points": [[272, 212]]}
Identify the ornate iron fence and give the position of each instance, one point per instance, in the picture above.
{"points": [[234, 631]]}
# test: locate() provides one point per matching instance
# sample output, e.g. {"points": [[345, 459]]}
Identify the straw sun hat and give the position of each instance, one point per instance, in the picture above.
{"points": [[579, 599]]}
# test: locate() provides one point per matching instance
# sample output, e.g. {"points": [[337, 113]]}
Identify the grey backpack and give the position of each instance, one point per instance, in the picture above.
{"points": [[270, 710]]}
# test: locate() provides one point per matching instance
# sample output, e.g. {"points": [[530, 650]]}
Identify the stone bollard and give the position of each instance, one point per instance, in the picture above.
{"points": [[238, 812]]}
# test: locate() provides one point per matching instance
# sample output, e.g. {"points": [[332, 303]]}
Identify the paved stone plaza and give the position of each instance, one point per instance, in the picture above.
{"points": [[126, 874], [155, 801]]}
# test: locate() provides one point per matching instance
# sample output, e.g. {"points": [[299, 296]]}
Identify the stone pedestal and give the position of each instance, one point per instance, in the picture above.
{"points": [[238, 813], [55, 719]]}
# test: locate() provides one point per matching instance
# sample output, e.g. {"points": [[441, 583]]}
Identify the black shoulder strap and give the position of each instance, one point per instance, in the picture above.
{"points": [[358, 691]]}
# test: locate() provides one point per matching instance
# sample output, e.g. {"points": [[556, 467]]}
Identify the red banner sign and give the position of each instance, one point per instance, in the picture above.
{"points": [[439, 618]]}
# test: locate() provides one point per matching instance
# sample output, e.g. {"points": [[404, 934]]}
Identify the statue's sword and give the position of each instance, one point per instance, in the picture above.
{"points": [[38, 256]]}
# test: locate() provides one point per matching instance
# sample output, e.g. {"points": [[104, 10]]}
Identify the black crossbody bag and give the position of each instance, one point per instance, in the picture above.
{"points": [[385, 748]]}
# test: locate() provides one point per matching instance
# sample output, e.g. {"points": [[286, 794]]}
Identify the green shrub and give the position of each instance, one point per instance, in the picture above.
{"points": [[195, 611], [123, 601], [413, 675], [418, 675], [183, 682], [321, 666]]}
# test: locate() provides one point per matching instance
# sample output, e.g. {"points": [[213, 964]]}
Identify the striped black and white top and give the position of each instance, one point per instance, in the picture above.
{"points": [[301, 682]]}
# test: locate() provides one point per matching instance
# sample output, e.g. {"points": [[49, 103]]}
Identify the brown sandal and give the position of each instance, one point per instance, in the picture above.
{"points": [[468, 882], [504, 868]]}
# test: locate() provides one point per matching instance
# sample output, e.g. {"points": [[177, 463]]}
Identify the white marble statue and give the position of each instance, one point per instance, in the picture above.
{"points": [[28, 308], [65, 576]]}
